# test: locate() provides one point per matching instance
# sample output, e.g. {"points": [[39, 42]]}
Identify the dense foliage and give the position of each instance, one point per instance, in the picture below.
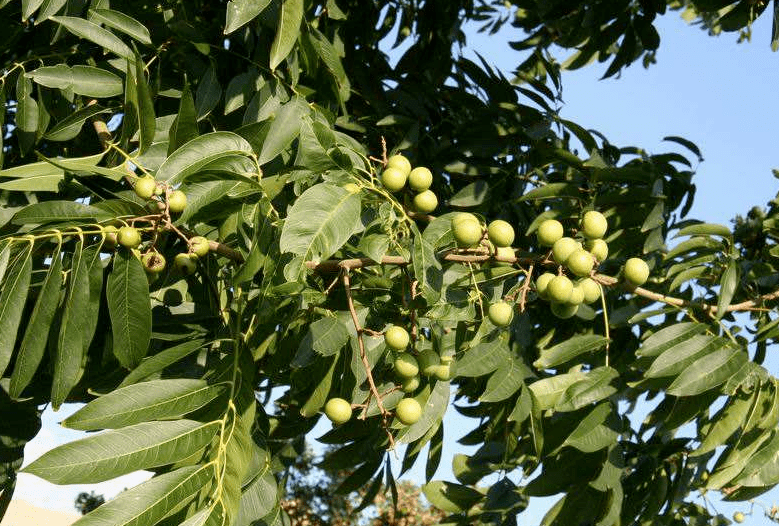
{"points": [[206, 234]]}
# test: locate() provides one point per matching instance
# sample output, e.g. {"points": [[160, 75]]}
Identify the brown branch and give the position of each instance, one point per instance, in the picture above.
{"points": [[100, 127], [224, 250]]}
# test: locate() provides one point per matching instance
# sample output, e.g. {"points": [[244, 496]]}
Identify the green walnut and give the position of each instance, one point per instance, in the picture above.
{"points": [[393, 179], [406, 365], [563, 310], [548, 232], [598, 248], [177, 201], [594, 225], [425, 201], [409, 385], [636, 271], [420, 179], [185, 263], [542, 284], [564, 247], [443, 372], [501, 233], [153, 262], [396, 338], [145, 187], [501, 313], [428, 359], [580, 262], [577, 295], [199, 246], [591, 290], [400, 163], [559, 289], [408, 411], [338, 410], [467, 230], [128, 237]]}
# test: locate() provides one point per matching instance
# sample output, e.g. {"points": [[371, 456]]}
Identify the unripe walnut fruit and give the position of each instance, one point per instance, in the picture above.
{"points": [[443, 372], [400, 163], [408, 411], [153, 262], [406, 365], [393, 179], [128, 237], [564, 310], [559, 289], [501, 233], [199, 246], [425, 201], [598, 248], [636, 271], [594, 224], [428, 359], [548, 232], [420, 179], [738, 517], [564, 247], [467, 232], [338, 410], [351, 188], [409, 385], [580, 262], [177, 201], [505, 253], [577, 296], [185, 263], [542, 284], [396, 338], [145, 187], [501, 313], [591, 290]]}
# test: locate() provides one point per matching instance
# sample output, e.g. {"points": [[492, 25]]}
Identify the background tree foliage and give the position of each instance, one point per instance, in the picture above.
{"points": [[261, 112]]}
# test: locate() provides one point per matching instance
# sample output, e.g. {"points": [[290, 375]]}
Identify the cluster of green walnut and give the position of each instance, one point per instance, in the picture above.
{"points": [[398, 172], [580, 256], [174, 202], [407, 368]]}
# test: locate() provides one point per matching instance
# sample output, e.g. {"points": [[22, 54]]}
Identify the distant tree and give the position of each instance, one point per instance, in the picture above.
{"points": [[86, 502]]}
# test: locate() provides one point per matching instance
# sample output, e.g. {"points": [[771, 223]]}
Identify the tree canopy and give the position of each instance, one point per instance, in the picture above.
{"points": [[209, 234]]}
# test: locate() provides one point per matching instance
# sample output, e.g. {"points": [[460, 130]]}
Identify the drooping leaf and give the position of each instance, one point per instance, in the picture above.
{"points": [[284, 128], [241, 12], [569, 349], [708, 372], [122, 22], [454, 498], [113, 453], [12, 300], [127, 292], [83, 80], [163, 359], [287, 31], [70, 126], [48, 211], [37, 333]]}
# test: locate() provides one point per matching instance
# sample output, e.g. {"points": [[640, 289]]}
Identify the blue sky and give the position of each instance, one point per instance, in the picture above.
{"points": [[719, 94]]}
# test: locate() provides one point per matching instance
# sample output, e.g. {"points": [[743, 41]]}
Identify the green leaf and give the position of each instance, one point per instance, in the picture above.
{"points": [[153, 400], [287, 31], [122, 22], [427, 268], [330, 58], [71, 347], [29, 7], [284, 128], [321, 392], [144, 105], [241, 12], [450, 497], [686, 143], [705, 229], [12, 301], [48, 8], [209, 91], [594, 387], [184, 127], [708, 372], [552, 190], [161, 360], [328, 336], [152, 500], [547, 391], [569, 349], [483, 358], [82, 80], [48, 211], [728, 283], [320, 221], [591, 434], [41, 176], [726, 422], [505, 381], [113, 453], [762, 470], [200, 151], [37, 333], [698, 244], [94, 33], [668, 337], [127, 293], [70, 126], [676, 359]]}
